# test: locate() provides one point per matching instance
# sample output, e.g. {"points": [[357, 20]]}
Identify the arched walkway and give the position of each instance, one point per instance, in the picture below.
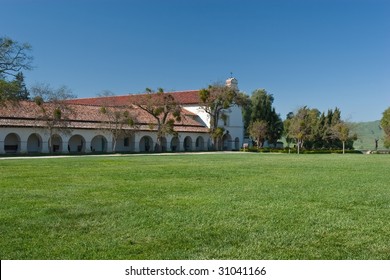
{"points": [[99, 144], [146, 144], [34, 143], [199, 143], [76, 144], [124, 143], [187, 144], [237, 144], [175, 144], [12, 143], [227, 142], [55, 144]]}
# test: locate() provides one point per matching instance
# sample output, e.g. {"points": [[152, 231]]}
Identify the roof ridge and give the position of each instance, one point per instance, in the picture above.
{"points": [[130, 94]]}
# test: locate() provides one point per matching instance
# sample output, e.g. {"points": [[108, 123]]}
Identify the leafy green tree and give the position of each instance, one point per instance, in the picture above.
{"points": [[164, 109], [260, 109], [314, 130], [258, 130], [341, 131], [286, 131], [328, 140], [301, 126], [275, 127], [385, 124], [214, 100], [15, 90], [22, 92], [8, 91]]}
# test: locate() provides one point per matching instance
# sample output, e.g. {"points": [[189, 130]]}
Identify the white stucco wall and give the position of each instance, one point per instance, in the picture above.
{"points": [[234, 125], [32, 140], [36, 140]]}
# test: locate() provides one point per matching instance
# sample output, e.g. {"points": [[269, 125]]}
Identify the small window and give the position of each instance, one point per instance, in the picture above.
{"points": [[126, 142]]}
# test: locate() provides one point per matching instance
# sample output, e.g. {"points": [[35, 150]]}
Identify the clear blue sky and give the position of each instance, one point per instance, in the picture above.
{"points": [[319, 53]]}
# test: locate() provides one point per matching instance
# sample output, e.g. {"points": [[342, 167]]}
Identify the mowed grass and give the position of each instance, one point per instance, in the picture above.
{"points": [[212, 206]]}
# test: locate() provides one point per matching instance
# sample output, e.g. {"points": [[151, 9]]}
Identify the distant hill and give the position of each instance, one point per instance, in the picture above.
{"points": [[367, 132]]}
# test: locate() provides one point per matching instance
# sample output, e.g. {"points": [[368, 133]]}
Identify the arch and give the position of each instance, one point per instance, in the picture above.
{"points": [[199, 143], [99, 144], [237, 143], [76, 144], [146, 144], [227, 142], [187, 144], [12, 143], [55, 143], [175, 144], [209, 144], [34, 143]]}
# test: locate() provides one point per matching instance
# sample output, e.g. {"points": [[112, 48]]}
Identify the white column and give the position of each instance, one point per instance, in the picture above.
{"points": [[23, 147], [2, 147], [137, 138], [88, 147], [45, 146], [65, 144]]}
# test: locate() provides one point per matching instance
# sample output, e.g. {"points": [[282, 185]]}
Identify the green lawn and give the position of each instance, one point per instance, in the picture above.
{"points": [[212, 206]]}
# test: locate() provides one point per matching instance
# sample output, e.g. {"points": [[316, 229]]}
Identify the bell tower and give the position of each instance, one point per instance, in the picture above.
{"points": [[232, 83]]}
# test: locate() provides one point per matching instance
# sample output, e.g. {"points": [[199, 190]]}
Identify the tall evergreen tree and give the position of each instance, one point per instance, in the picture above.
{"points": [[261, 109], [385, 124], [22, 93]]}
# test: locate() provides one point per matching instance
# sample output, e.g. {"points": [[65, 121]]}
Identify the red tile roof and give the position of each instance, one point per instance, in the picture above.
{"points": [[189, 97], [26, 113]]}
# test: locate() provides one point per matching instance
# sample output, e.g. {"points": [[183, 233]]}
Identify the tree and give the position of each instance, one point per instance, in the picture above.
{"points": [[341, 131], [312, 129], [8, 91], [214, 100], [326, 129], [385, 124], [15, 90], [22, 92], [301, 126], [286, 131], [275, 128], [261, 104], [164, 109], [119, 121], [14, 57], [54, 113], [258, 130], [260, 109]]}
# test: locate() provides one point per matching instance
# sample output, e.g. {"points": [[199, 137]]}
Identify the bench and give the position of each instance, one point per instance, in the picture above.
{"points": [[10, 148]]}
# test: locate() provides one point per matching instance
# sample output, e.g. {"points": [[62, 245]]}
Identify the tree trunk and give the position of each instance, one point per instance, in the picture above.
{"points": [[158, 147], [298, 145], [50, 141], [114, 144]]}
